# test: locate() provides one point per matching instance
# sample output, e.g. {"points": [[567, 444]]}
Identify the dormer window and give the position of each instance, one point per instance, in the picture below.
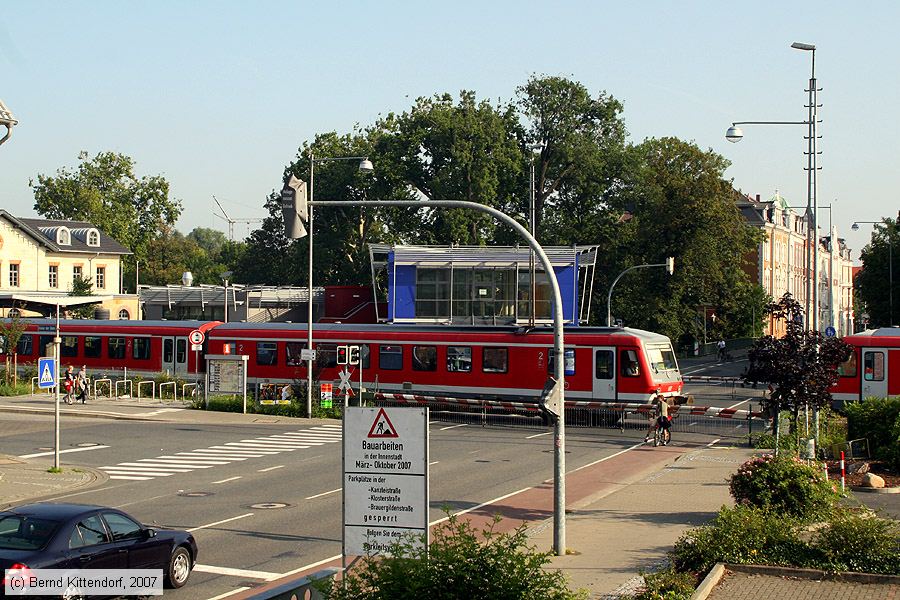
{"points": [[93, 238], [63, 236]]}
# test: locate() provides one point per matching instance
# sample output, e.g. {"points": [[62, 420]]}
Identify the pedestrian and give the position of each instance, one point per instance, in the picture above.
{"points": [[69, 383], [286, 393], [720, 349], [81, 384]]}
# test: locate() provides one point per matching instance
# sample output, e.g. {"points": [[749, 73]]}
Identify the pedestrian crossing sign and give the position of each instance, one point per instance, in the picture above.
{"points": [[47, 370]]}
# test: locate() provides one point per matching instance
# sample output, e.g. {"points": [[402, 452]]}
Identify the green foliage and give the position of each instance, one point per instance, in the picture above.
{"points": [[858, 540], [461, 562], [784, 485], [667, 584], [19, 389], [873, 281], [742, 535], [878, 420], [11, 331], [82, 286], [221, 403]]}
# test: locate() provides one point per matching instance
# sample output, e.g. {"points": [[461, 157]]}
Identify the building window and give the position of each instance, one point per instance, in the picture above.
{"points": [[390, 358], [123, 314], [76, 272], [495, 360], [433, 293], [101, 278], [63, 237], [459, 359], [53, 278], [543, 292], [14, 275], [93, 238], [424, 358]]}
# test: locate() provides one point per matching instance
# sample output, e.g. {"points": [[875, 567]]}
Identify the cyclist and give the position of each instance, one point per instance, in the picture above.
{"points": [[720, 350], [659, 418]]}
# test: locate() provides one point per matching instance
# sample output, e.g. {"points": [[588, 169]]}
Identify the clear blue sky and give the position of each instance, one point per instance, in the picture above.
{"points": [[218, 96]]}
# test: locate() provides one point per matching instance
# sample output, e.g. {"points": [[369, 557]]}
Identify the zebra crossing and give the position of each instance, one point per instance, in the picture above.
{"points": [[167, 465]]}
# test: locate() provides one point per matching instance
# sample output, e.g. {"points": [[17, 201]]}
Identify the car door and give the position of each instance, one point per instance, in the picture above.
{"points": [[175, 355], [144, 551], [91, 547], [874, 381]]}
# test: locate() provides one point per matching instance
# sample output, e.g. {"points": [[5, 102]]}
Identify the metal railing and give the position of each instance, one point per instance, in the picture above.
{"points": [[109, 386], [125, 383], [152, 389], [195, 388], [174, 390]]}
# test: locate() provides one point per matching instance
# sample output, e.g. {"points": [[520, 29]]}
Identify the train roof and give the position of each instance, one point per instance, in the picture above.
{"points": [[161, 324], [881, 332]]}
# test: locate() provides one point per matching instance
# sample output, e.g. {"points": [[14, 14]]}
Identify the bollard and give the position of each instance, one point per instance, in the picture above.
{"points": [[843, 473]]}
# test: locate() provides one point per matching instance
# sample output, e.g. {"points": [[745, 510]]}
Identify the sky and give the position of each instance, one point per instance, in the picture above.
{"points": [[217, 97]]}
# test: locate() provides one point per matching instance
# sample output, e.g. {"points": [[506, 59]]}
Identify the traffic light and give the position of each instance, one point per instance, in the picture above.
{"points": [[353, 358], [294, 207], [342, 355]]}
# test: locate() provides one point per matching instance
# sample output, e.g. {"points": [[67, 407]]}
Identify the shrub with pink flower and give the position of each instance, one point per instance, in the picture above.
{"points": [[784, 485]]}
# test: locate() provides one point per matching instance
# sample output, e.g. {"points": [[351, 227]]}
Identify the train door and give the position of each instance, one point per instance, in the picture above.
{"points": [[874, 380], [604, 374], [175, 355]]}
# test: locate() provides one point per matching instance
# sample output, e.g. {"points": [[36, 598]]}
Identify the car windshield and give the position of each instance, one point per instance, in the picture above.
{"points": [[20, 532]]}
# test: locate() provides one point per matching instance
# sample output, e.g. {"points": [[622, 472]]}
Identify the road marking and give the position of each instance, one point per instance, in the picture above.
{"points": [[170, 463], [219, 523], [713, 442], [264, 575], [270, 469], [322, 494], [239, 453], [200, 456], [591, 464], [739, 403], [271, 447], [200, 460], [133, 471], [452, 427], [231, 593], [247, 450], [275, 443], [39, 454], [129, 477], [433, 463], [154, 467], [227, 480], [538, 435]]}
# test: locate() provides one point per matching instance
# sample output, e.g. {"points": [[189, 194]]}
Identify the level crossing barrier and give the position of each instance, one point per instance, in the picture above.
{"points": [[152, 385]]}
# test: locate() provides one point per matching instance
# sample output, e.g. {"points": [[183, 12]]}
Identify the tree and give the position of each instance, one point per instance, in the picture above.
{"points": [[800, 367], [11, 331], [170, 255], [212, 241], [873, 281], [106, 192], [82, 286]]}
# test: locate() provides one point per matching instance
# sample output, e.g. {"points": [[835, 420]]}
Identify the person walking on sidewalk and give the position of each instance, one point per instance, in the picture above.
{"points": [[69, 384], [81, 384], [659, 416]]}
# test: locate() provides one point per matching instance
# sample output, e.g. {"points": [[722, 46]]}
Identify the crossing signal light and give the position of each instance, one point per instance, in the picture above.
{"points": [[353, 358], [342, 355], [294, 209]]}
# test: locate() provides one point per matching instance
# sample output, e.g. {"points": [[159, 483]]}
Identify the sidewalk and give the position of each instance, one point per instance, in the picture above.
{"points": [[22, 481]]}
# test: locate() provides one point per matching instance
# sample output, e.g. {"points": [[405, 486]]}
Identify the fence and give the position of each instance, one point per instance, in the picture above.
{"points": [[125, 383], [162, 395], [195, 388], [109, 386], [152, 389]]}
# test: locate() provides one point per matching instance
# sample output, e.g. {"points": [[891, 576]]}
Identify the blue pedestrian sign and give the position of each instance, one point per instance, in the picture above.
{"points": [[829, 331], [46, 373]]}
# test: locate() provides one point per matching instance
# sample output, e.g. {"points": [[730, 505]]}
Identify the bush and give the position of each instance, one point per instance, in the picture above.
{"points": [[742, 535], [460, 563], [667, 584], [877, 419], [784, 485], [857, 540], [222, 403]]}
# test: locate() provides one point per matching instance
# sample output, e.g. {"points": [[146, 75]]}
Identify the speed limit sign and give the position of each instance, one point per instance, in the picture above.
{"points": [[196, 337]]}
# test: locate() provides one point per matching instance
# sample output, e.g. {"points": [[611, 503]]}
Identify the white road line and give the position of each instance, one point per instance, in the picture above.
{"points": [[713, 442], [275, 443], [141, 472], [85, 449], [172, 463], [270, 469], [239, 453], [200, 456], [154, 467], [289, 440], [219, 523], [129, 477], [261, 447], [538, 435], [452, 427], [323, 494], [605, 458], [482, 505], [311, 565], [227, 480], [243, 450], [739, 403], [200, 460], [433, 463], [264, 575], [231, 593]]}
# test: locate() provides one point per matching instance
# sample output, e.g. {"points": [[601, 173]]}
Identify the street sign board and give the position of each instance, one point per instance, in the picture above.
{"points": [[829, 331], [46, 373], [196, 337], [307, 354], [226, 376], [325, 395], [385, 478], [196, 347]]}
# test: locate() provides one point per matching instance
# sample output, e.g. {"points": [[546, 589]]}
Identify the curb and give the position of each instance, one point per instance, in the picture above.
{"points": [[815, 575], [709, 582], [98, 478], [868, 490], [73, 413]]}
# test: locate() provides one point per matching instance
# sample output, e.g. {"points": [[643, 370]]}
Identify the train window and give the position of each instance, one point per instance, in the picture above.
{"points": [[604, 365], [169, 350], [661, 359], [181, 351], [140, 349], [44, 345], [495, 360], [293, 352], [69, 346], [326, 356], [424, 358], [115, 347], [266, 353], [390, 358], [25, 345], [568, 364], [459, 359], [873, 366], [848, 367], [630, 365], [91, 346]]}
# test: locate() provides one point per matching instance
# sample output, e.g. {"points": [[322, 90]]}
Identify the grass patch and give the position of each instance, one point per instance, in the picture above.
{"points": [[54, 470]]}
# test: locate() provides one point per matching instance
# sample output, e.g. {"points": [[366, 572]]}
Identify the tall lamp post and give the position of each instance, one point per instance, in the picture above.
{"points": [[670, 268], [365, 166], [735, 134], [7, 120], [889, 236], [535, 149]]}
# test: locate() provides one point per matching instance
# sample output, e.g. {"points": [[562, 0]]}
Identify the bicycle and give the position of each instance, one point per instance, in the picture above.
{"points": [[662, 435]]}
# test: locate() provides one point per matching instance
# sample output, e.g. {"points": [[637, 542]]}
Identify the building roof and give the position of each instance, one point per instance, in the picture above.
{"points": [[481, 256], [45, 232]]}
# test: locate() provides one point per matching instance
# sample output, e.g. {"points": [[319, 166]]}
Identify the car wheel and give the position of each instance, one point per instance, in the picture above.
{"points": [[179, 568]]}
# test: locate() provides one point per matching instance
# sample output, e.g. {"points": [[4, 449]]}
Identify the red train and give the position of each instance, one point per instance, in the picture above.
{"points": [[606, 364], [874, 367]]}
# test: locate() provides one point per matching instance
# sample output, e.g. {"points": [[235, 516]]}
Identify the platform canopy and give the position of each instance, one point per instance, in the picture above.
{"points": [[46, 304]]}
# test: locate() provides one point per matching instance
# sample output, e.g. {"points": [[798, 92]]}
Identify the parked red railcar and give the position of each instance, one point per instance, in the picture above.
{"points": [[874, 367], [607, 364], [142, 347]]}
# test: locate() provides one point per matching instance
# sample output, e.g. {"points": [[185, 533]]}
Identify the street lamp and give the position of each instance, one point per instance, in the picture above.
{"points": [[535, 149], [735, 134], [7, 120], [365, 166], [855, 227], [225, 277], [670, 268]]}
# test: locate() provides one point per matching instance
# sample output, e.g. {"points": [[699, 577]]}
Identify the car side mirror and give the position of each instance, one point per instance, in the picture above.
{"points": [[150, 532]]}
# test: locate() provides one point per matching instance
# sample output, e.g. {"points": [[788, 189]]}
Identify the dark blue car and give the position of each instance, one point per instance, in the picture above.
{"points": [[79, 536]]}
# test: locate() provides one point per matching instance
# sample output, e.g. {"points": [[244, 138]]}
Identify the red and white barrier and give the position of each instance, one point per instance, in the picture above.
{"points": [[843, 474]]}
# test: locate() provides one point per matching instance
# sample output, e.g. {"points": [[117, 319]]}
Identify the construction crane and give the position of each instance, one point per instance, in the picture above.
{"points": [[231, 221]]}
